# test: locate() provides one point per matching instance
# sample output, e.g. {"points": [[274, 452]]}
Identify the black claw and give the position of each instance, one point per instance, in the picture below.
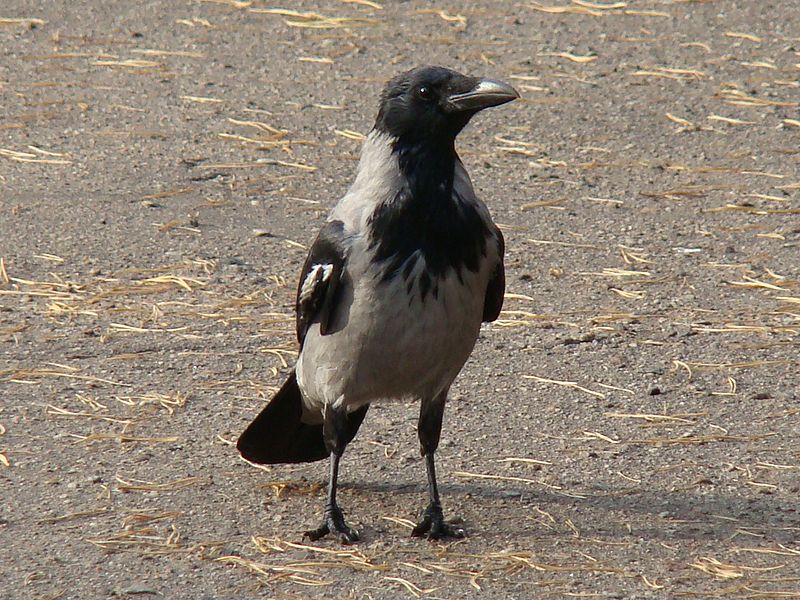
{"points": [[434, 525], [333, 522]]}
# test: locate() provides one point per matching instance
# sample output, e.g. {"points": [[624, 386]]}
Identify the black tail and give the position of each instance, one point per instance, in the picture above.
{"points": [[277, 435]]}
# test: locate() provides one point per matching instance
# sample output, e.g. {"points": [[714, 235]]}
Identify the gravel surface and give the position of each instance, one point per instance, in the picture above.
{"points": [[627, 429]]}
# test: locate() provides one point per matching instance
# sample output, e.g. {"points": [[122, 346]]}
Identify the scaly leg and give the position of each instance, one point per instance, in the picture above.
{"points": [[337, 435], [429, 430]]}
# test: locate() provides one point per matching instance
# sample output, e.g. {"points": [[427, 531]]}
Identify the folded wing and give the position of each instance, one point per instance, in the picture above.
{"points": [[319, 283]]}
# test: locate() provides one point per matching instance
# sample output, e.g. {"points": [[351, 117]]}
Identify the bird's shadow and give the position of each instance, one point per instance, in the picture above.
{"points": [[514, 511]]}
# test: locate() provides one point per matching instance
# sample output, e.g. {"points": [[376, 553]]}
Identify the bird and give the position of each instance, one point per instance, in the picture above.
{"points": [[393, 290]]}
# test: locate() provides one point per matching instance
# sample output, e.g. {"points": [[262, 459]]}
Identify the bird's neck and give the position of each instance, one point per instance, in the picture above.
{"points": [[425, 213], [428, 167]]}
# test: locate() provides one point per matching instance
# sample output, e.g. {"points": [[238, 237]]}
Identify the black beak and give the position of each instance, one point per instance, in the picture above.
{"points": [[485, 93]]}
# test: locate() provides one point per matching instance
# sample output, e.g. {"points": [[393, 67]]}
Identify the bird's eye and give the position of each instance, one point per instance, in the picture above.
{"points": [[424, 92]]}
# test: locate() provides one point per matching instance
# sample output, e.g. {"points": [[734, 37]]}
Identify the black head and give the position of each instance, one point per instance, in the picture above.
{"points": [[436, 103]]}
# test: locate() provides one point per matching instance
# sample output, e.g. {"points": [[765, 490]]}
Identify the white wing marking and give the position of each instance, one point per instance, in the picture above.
{"points": [[317, 274]]}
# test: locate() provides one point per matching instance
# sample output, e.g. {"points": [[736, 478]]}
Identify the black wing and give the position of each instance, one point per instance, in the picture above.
{"points": [[319, 283], [496, 289]]}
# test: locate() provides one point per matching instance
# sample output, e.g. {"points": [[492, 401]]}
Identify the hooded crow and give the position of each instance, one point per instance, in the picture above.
{"points": [[394, 289]]}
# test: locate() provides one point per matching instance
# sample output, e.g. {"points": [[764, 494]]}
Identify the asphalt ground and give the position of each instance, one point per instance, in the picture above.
{"points": [[627, 429]]}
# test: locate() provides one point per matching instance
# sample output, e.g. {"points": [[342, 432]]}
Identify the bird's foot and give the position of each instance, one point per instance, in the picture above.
{"points": [[333, 522], [434, 525]]}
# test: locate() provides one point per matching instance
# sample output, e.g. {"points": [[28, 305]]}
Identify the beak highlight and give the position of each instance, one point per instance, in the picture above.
{"points": [[486, 93]]}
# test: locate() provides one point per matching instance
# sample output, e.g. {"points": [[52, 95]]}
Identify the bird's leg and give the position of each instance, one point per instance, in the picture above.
{"points": [[336, 434], [429, 429], [333, 520]]}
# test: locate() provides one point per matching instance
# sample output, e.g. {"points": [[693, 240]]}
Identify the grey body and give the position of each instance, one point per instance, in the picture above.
{"points": [[383, 342]]}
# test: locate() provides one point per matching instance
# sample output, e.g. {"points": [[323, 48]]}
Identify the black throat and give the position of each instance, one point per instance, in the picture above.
{"points": [[428, 168], [427, 218]]}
